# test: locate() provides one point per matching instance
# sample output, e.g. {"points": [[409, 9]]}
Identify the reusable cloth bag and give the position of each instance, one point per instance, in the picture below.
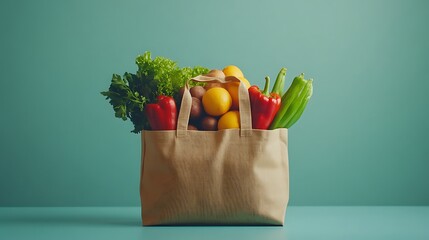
{"points": [[225, 177]]}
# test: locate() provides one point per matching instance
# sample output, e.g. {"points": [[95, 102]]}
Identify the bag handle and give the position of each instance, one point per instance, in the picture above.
{"points": [[244, 102]]}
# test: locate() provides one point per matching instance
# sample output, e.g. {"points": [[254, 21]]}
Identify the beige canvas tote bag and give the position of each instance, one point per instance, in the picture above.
{"points": [[225, 177]]}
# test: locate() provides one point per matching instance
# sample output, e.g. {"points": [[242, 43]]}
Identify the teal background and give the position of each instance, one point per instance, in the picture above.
{"points": [[361, 141]]}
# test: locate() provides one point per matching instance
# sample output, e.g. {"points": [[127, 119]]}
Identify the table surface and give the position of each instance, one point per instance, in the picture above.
{"points": [[301, 223]]}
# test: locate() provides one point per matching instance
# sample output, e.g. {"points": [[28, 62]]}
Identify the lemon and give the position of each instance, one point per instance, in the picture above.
{"points": [[232, 88], [230, 119], [217, 101], [232, 70]]}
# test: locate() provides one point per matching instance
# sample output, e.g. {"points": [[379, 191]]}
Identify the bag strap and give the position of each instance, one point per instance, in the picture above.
{"points": [[244, 103]]}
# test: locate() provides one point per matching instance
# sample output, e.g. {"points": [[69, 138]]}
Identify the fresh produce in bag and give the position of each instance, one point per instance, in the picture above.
{"points": [[150, 98]]}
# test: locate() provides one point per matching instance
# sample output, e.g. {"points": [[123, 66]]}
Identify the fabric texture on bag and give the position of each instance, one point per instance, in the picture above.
{"points": [[225, 177]]}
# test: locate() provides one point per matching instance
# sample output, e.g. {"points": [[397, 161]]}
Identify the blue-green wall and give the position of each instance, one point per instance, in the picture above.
{"points": [[362, 140]]}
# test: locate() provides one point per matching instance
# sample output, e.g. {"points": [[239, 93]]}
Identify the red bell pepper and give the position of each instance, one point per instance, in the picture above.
{"points": [[163, 114], [264, 105]]}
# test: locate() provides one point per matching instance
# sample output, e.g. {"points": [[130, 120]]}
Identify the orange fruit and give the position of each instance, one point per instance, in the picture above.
{"points": [[232, 88], [232, 70], [230, 119], [217, 101]]}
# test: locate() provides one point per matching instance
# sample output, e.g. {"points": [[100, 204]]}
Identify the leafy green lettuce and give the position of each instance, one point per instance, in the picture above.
{"points": [[159, 76]]}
